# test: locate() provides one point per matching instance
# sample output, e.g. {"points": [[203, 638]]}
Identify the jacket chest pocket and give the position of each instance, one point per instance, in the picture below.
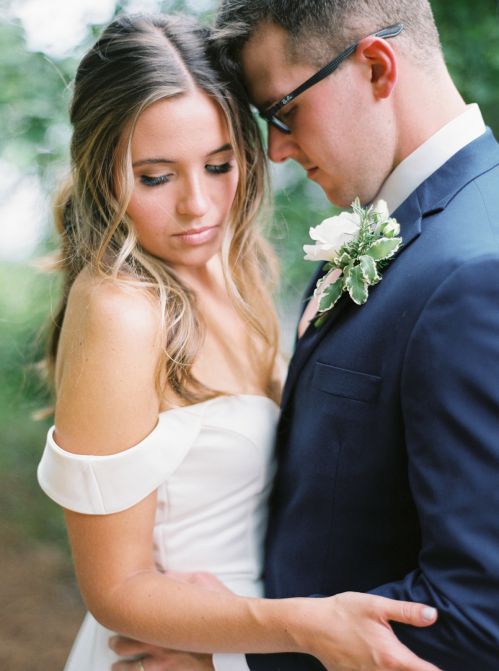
{"points": [[346, 391]]}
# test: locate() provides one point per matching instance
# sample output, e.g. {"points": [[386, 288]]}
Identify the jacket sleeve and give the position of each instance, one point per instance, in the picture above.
{"points": [[450, 403], [284, 662]]}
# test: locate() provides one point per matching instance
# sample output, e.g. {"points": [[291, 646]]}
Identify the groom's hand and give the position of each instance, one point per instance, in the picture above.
{"points": [[156, 659]]}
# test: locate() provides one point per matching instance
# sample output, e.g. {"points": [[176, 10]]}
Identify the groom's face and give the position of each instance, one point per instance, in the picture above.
{"points": [[336, 128]]}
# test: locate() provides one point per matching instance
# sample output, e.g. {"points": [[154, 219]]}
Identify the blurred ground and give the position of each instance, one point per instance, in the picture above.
{"points": [[40, 609]]}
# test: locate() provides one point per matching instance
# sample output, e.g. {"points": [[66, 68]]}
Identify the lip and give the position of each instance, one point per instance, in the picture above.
{"points": [[311, 172], [198, 236]]}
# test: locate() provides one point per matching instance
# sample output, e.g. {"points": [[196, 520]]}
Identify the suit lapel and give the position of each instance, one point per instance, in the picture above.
{"points": [[430, 197], [409, 217]]}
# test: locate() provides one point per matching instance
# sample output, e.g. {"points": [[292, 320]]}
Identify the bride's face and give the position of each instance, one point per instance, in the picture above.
{"points": [[185, 179]]}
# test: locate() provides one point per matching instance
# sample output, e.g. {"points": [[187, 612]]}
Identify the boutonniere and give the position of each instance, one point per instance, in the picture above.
{"points": [[356, 246]]}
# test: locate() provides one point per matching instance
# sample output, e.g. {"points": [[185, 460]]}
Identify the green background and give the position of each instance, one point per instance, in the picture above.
{"points": [[34, 132]]}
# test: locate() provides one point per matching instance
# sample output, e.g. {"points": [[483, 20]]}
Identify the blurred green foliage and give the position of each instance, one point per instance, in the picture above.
{"points": [[33, 103], [470, 38], [34, 93], [25, 302]]}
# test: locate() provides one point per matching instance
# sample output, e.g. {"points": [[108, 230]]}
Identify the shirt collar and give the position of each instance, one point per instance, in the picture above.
{"points": [[430, 156]]}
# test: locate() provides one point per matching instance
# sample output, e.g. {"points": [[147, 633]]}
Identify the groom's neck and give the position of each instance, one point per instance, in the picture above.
{"points": [[425, 102]]}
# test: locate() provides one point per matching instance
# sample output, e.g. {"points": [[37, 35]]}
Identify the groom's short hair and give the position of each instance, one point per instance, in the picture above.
{"points": [[317, 29]]}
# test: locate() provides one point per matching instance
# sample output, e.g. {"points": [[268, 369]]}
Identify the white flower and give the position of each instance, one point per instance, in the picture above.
{"points": [[381, 208], [330, 235], [355, 244], [391, 228]]}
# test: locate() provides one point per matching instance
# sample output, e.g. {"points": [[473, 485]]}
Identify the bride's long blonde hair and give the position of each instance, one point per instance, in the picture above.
{"points": [[137, 61]]}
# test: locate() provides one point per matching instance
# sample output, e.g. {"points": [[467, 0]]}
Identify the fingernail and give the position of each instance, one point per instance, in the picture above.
{"points": [[429, 613]]}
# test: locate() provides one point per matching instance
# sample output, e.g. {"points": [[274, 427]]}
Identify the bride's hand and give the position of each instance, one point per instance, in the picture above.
{"points": [[352, 631]]}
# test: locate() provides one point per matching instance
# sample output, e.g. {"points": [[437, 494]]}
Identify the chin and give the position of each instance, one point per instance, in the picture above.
{"points": [[198, 258], [344, 199]]}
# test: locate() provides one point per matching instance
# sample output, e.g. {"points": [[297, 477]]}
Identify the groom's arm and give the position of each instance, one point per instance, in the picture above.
{"points": [[450, 398]]}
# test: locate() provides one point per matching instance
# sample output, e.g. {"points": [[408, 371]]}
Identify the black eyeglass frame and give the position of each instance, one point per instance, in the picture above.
{"points": [[269, 114]]}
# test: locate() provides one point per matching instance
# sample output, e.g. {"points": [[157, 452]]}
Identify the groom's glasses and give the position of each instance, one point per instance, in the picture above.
{"points": [[271, 113]]}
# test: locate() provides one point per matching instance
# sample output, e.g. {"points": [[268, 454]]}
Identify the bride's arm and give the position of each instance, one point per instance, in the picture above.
{"points": [[106, 403]]}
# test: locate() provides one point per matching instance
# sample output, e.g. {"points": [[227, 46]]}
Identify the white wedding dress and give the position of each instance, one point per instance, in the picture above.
{"points": [[212, 465]]}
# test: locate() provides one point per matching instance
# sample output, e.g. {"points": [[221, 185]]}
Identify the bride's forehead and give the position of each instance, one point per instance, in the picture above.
{"points": [[189, 119], [182, 109], [191, 115]]}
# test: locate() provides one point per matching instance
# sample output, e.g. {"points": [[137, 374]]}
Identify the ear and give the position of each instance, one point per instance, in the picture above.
{"points": [[377, 54]]}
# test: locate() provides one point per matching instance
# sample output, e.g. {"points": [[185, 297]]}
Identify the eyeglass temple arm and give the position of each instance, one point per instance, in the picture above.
{"points": [[391, 31], [322, 74]]}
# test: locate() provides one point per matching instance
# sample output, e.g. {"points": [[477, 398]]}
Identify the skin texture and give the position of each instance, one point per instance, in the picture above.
{"points": [[191, 185], [108, 402], [337, 125], [352, 129], [355, 126], [360, 624]]}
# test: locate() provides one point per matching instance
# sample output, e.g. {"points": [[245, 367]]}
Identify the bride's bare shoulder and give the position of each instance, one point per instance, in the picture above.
{"points": [[106, 365], [103, 305]]}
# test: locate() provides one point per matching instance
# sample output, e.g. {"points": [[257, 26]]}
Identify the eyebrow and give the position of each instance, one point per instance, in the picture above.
{"points": [[155, 161]]}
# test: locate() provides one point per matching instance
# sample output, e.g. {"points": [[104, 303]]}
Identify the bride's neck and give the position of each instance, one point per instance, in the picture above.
{"points": [[202, 279]]}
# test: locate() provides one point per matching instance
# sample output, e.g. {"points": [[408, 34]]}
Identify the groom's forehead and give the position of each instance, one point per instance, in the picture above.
{"points": [[264, 86], [268, 71]]}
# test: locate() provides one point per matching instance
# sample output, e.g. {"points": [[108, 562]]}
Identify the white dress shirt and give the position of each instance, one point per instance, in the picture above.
{"points": [[430, 156], [407, 176]]}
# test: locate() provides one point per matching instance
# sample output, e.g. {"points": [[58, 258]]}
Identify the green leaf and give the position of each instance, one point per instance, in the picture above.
{"points": [[321, 320], [357, 208], [344, 260], [357, 285], [369, 270], [384, 248], [347, 270], [331, 295]]}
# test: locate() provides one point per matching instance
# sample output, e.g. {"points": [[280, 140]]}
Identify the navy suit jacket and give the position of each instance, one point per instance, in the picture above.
{"points": [[388, 444]]}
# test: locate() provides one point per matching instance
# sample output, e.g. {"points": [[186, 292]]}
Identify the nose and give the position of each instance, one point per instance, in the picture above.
{"points": [[281, 146], [193, 199]]}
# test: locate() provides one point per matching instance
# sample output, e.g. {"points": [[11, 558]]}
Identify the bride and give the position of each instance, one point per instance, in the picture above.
{"points": [[164, 360]]}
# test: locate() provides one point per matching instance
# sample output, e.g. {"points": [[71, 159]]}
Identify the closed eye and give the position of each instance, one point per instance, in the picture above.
{"points": [[154, 181], [220, 169]]}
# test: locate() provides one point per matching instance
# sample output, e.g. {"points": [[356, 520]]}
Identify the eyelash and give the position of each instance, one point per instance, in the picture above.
{"points": [[154, 181], [164, 179], [221, 169]]}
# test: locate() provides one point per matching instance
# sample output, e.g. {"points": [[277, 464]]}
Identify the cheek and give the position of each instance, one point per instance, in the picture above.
{"points": [[229, 192], [233, 187], [145, 206], [147, 212], [323, 142]]}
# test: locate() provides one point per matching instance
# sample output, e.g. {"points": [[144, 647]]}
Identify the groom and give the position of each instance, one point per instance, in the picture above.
{"points": [[388, 444]]}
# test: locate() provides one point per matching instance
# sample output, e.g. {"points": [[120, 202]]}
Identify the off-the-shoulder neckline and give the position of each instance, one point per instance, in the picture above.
{"points": [[161, 415], [217, 398]]}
